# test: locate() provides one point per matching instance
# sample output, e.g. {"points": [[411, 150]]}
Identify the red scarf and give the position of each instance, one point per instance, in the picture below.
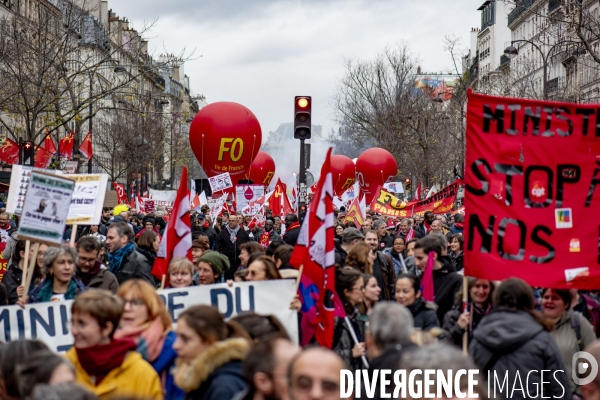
{"points": [[293, 226], [99, 360], [265, 239], [426, 226], [409, 235]]}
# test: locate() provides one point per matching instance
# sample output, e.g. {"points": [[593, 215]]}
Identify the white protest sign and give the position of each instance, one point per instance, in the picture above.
{"points": [[394, 187], [216, 208], [220, 182], [19, 181], [88, 199], [164, 198], [45, 209], [247, 194], [49, 322]]}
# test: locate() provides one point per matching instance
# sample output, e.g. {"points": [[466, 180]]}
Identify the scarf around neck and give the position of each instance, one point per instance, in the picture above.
{"points": [[232, 233], [116, 259], [150, 338], [99, 360], [46, 292]]}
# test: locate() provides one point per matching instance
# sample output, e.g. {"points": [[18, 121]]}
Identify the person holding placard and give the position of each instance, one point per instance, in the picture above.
{"points": [[13, 277], [60, 282]]}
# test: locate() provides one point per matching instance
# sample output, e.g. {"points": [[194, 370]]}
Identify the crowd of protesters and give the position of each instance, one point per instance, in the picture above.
{"points": [[125, 344]]}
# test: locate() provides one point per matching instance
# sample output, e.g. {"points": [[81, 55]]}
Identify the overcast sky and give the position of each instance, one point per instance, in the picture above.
{"points": [[262, 53]]}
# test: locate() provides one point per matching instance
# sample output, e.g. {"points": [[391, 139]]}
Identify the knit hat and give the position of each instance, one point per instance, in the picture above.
{"points": [[218, 261]]}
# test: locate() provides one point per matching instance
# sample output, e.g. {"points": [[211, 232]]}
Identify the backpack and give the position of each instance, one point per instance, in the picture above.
{"points": [[593, 309], [576, 325]]}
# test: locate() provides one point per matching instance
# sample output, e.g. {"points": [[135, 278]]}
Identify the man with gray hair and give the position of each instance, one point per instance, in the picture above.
{"points": [[388, 338], [385, 239]]}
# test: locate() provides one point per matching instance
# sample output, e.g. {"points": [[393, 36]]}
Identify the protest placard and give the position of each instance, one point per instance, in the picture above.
{"points": [[49, 322], [531, 191], [88, 199], [247, 194], [220, 182], [45, 208]]}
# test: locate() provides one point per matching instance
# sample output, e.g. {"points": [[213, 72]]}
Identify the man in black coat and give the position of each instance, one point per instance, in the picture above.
{"points": [[292, 229], [422, 229], [124, 261], [229, 240], [207, 230], [446, 282]]}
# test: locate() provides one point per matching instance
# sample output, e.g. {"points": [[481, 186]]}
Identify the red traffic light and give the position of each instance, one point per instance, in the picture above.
{"points": [[303, 102], [28, 145], [407, 181]]}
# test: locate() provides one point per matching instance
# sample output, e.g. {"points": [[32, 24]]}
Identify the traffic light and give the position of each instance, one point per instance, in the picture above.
{"points": [[28, 153], [407, 186], [302, 106]]}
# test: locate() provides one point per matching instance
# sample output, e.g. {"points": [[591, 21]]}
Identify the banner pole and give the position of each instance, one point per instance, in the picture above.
{"points": [[162, 282], [355, 340], [299, 277], [73, 235], [465, 299], [26, 261], [27, 278]]}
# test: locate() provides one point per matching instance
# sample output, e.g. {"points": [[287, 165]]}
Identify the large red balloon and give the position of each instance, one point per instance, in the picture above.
{"points": [[344, 174], [225, 137], [374, 167], [262, 169]]}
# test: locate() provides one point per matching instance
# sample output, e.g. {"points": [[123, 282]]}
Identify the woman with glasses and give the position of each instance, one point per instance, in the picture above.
{"points": [[105, 365], [146, 321], [349, 285]]}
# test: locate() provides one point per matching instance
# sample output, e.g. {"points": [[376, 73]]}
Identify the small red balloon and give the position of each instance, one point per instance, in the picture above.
{"points": [[262, 169], [344, 174], [225, 137], [374, 167]]}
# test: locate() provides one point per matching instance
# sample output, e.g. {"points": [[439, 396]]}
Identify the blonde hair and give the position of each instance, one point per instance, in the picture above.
{"points": [[147, 293], [101, 305], [181, 263]]}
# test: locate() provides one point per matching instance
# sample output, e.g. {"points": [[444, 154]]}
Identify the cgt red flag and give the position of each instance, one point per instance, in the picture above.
{"points": [[9, 152], [177, 240], [121, 195], [86, 146], [279, 202], [315, 251], [49, 144], [43, 158], [65, 146]]}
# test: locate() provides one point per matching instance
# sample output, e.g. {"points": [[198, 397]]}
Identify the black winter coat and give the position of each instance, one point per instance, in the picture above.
{"points": [[446, 282], [12, 279], [342, 339], [135, 266], [457, 260], [291, 237], [423, 315], [231, 250], [390, 360], [223, 383], [454, 333], [514, 341]]}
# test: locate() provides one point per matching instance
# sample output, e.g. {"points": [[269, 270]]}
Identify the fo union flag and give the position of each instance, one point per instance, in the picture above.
{"points": [[532, 191], [315, 251]]}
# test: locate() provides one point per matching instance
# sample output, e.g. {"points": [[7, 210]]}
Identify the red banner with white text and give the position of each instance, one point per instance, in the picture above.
{"points": [[532, 191], [441, 202]]}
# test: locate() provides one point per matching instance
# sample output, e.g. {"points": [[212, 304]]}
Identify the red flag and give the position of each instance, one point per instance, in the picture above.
{"points": [[121, 195], [279, 202], [43, 158], [315, 250], [9, 152], [355, 214], [49, 144], [418, 192], [177, 240], [86, 146], [65, 146], [195, 201], [427, 281]]}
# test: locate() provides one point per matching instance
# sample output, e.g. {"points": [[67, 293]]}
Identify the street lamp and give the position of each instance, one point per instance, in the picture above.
{"points": [[511, 52]]}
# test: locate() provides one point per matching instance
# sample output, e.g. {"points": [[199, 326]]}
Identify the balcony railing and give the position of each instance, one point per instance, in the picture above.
{"points": [[556, 84], [518, 10]]}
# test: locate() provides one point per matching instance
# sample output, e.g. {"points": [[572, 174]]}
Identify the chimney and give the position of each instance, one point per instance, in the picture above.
{"points": [[419, 70]]}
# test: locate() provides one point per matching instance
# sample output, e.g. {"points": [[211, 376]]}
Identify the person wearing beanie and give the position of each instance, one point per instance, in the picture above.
{"points": [[211, 267], [199, 246], [149, 225]]}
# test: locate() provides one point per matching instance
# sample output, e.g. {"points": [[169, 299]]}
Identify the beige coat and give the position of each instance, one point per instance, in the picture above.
{"points": [[566, 339]]}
